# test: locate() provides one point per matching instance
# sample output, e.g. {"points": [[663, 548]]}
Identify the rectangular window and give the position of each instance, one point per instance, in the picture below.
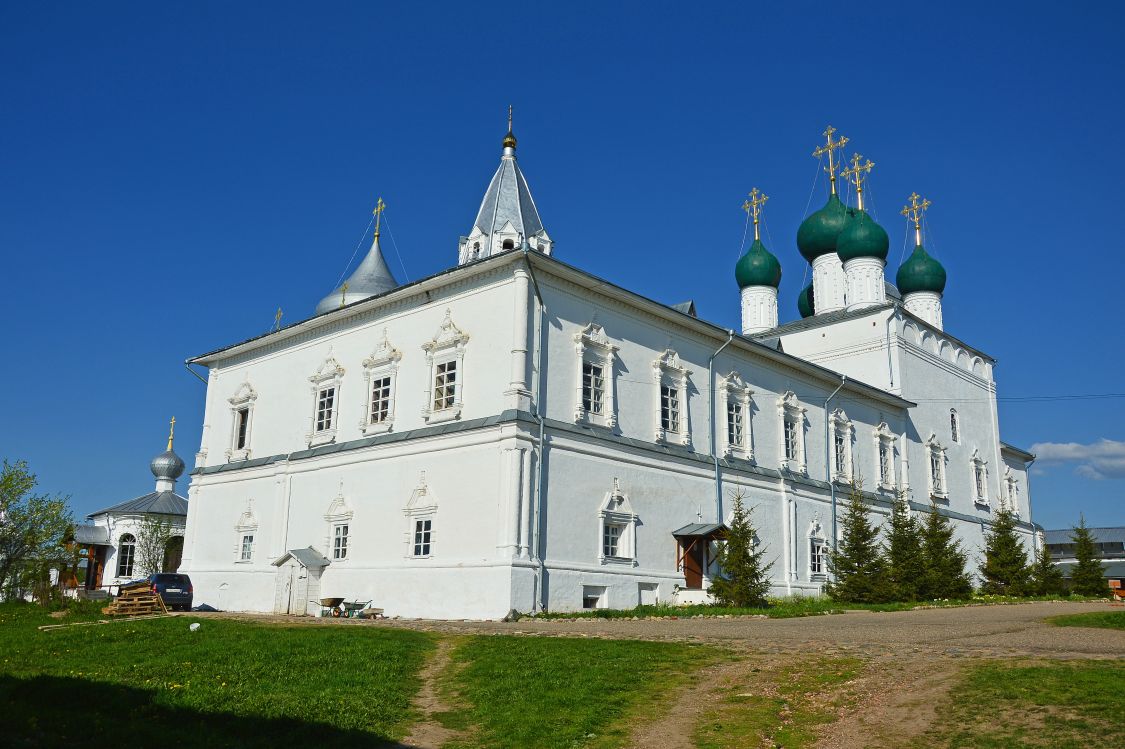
{"points": [[340, 542], [841, 456], [935, 472], [818, 557], [241, 425], [593, 388], [611, 540], [125, 558], [886, 468], [445, 384], [669, 409], [954, 432], [791, 439], [247, 552], [380, 400], [325, 402], [735, 432], [423, 530]]}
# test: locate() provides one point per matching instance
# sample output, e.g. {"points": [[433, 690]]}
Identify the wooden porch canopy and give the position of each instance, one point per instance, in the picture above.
{"points": [[690, 535]]}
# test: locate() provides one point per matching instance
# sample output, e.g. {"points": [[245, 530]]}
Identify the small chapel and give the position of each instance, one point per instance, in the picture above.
{"points": [[516, 432]]}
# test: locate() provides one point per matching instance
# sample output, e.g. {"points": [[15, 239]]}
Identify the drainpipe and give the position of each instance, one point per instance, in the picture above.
{"points": [[828, 458], [539, 603], [1030, 521], [187, 365], [711, 418]]}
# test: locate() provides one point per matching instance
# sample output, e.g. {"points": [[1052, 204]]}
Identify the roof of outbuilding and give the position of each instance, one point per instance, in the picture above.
{"points": [[308, 557], [1100, 535], [91, 534], [1109, 568], [699, 529], [816, 321], [157, 503]]}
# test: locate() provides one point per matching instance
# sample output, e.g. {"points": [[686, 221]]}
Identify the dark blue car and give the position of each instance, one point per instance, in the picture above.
{"points": [[174, 589]]}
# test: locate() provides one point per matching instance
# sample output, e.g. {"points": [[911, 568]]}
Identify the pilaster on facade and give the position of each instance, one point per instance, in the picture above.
{"points": [[380, 391], [672, 422], [518, 394], [595, 399]]}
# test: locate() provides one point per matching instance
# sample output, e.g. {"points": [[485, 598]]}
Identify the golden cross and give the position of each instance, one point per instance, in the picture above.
{"points": [[171, 433], [753, 206], [914, 212], [830, 146], [380, 206], [855, 175], [343, 293], [277, 319]]}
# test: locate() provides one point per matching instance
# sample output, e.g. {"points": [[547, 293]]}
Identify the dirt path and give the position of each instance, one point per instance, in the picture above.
{"points": [[428, 733]]}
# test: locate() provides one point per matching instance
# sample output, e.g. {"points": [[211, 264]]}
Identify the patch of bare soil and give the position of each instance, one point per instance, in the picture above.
{"points": [[428, 733]]}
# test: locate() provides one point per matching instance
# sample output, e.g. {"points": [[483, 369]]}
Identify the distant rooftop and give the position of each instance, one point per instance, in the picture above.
{"points": [[157, 503]]}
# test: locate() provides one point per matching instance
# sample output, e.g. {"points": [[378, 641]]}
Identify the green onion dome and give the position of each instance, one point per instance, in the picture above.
{"points": [[758, 267], [817, 233], [805, 302], [920, 272], [862, 237]]}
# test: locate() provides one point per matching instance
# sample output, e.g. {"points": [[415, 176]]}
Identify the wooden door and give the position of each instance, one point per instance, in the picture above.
{"points": [[692, 551]]}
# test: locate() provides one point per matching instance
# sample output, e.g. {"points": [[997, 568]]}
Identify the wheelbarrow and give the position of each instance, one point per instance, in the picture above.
{"points": [[330, 607]]}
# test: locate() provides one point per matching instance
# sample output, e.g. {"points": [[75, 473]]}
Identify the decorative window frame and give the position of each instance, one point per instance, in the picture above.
{"points": [[789, 408], [816, 536], [954, 426], [448, 344], [980, 492], [422, 505], [244, 397], [246, 524], [840, 424], [329, 374], [666, 370], [733, 389], [339, 513], [615, 509], [383, 362], [1011, 498], [591, 344], [934, 449], [884, 437]]}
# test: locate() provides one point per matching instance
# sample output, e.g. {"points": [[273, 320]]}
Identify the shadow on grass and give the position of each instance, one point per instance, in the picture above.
{"points": [[51, 711]]}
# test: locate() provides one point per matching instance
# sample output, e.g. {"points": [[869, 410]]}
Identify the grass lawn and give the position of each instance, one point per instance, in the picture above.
{"points": [[1103, 619], [1062, 705], [230, 684], [521, 692]]}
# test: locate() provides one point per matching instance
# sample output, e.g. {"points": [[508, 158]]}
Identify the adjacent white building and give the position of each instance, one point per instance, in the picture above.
{"points": [[518, 433]]}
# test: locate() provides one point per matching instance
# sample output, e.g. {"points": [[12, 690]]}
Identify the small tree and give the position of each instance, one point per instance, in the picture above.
{"points": [[943, 561], [1046, 577], [744, 579], [904, 551], [153, 535], [858, 569], [1004, 571], [33, 527], [1087, 578]]}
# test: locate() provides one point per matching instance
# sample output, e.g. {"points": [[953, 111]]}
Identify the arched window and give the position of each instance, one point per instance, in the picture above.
{"points": [[954, 426], [126, 549], [509, 244]]}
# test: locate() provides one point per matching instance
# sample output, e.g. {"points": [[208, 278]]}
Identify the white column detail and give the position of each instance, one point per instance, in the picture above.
{"points": [[759, 309], [926, 305], [828, 283], [519, 397], [865, 282]]}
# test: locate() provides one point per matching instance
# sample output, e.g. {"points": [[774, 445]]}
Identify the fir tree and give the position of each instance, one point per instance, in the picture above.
{"points": [[1087, 578], [858, 569], [744, 581], [904, 551], [1046, 577], [1004, 571], [944, 573]]}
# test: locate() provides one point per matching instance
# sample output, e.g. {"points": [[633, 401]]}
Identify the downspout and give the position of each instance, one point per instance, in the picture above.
{"points": [[828, 458], [538, 413], [1030, 521], [187, 365], [711, 419]]}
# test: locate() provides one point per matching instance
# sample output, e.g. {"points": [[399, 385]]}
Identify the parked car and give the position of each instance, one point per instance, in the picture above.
{"points": [[174, 589]]}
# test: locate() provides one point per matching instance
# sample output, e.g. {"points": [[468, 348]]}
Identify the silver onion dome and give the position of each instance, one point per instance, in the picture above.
{"points": [[167, 465], [371, 278]]}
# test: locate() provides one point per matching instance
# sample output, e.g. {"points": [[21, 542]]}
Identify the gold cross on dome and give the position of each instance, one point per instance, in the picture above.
{"points": [[171, 433], [855, 175], [277, 319], [828, 147], [343, 293], [753, 206], [914, 213], [380, 206]]}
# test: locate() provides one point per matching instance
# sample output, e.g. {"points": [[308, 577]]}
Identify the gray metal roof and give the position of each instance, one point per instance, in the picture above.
{"points": [[91, 534], [1101, 535], [508, 199], [1019, 452], [1109, 569], [688, 308], [308, 557], [157, 503], [699, 529], [372, 277], [816, 321]]}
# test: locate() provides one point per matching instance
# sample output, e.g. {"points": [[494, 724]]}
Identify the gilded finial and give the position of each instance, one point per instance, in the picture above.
{"points": [[753, 206], [509, 139], [914, 212], [277, 319], [828, 148], [380, 206], [343, 293], [856, 175], [171, 433]]}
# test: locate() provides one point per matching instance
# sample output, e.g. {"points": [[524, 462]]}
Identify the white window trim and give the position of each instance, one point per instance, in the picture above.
{"points": [[244, 397], [339, 513], [120, 554], [788, 407], [733, 389], [591, 344], [666, 370], [422, 505], [616, 509], [329, 375], [448, 344], [244, 558], [954, 434], [383, 362], [816, 535], [977, 463], [1011, 498], [884, 437], [933, 447], [245, 525], [840, 424]]}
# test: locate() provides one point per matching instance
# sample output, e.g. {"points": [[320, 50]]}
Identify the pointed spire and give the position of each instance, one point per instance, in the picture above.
{"points": [[856, 175], [371, 278], [509, 139], [828, 148]]}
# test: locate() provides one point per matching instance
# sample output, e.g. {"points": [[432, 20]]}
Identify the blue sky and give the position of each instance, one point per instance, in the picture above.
{"points": [[174, 173]]}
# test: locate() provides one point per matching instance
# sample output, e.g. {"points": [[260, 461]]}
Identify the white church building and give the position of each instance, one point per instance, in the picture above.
{"points": [[518, 433]]}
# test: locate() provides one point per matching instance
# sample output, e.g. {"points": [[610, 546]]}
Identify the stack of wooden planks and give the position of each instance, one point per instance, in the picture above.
{"points": [[136, 599]]}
